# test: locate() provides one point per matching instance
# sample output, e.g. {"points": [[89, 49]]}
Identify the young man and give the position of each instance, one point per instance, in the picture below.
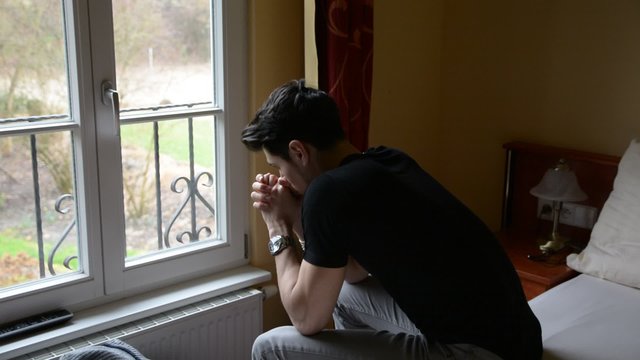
{"points": [[407, 271]]}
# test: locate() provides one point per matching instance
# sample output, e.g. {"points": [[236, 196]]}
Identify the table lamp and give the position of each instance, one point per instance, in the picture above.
{"points": [[559, 184]]}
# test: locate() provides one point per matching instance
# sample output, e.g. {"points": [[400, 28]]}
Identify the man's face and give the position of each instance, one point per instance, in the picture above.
{"points": [[290, 170]]}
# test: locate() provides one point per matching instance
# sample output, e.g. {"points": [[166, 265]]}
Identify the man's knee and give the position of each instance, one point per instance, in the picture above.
{"points": [[263, 345], [269, 344]]}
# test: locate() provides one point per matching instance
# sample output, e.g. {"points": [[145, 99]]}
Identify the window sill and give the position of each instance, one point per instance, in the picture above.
{"points": [[100, 318]]}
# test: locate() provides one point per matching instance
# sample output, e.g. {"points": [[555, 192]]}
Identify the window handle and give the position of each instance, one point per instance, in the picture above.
{"points": [[110, 98]]}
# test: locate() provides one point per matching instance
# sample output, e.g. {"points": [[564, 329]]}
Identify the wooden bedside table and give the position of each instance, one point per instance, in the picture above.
{"points": [[525, 165], [536, 277]]}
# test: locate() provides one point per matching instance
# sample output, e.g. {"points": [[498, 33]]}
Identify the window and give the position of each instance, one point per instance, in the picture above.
{"points": [[120, 163]]}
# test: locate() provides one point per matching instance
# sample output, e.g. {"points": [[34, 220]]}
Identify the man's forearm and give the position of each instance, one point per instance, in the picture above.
{"points": [[288, 271]]}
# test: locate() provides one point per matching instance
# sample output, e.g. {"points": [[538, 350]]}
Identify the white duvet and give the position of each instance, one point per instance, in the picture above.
{"points": [[589, 318]]}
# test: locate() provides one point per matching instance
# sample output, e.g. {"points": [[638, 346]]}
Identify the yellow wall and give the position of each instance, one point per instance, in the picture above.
{"points": [[560, 72], [454, 80], [405, 99]]}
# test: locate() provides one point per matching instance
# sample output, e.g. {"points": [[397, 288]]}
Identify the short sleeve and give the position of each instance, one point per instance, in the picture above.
{"points": [[324, 212]]}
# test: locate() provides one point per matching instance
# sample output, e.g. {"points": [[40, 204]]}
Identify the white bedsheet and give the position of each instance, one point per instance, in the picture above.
{"points": [[589, 318]]}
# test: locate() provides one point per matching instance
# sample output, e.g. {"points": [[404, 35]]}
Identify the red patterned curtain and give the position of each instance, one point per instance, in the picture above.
{"points": [[344, 41]]}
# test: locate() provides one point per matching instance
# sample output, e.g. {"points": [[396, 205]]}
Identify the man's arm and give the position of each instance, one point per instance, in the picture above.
{"points": [[308, 292]]}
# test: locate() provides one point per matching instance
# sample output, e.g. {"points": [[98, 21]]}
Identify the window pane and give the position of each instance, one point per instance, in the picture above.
{"points": [[163, 52], [163, 59], [38, 235], [33, 76], [169, 190]]}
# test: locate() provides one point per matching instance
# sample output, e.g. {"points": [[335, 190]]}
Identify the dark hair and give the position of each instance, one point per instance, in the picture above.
{"points": [[294, 112]]}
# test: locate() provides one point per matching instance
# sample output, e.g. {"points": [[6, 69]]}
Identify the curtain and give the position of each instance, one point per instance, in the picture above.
{"points": [[344, 41]]}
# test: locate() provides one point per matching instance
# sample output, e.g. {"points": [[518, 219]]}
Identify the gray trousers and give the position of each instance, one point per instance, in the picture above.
{"points": [[368, 325]]}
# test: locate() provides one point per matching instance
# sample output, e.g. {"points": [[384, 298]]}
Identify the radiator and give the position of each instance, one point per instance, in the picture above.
{"points": [[223, 327]]}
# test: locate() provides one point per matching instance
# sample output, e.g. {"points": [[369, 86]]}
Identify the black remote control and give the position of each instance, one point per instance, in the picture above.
{"points": [[33, 323]]}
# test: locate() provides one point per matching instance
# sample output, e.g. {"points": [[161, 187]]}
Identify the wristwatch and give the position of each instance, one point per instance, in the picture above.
{"points": [[278, 243]]}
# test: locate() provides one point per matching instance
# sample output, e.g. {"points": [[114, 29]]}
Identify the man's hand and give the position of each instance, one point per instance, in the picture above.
{"points": [[279, 206], [262, 190]]}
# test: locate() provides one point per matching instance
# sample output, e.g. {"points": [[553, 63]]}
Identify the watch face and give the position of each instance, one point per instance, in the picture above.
{"points": [[277, 244], [273, 246]]}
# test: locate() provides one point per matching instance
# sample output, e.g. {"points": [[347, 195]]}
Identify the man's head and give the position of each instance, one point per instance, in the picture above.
{"points": [[294, 112]]}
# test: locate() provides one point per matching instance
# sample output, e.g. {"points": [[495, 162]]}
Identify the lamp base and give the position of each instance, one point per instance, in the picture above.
{"points": [[553, 243], [549, 246]]}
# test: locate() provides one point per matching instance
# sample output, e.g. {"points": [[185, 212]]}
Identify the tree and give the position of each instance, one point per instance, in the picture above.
{"points": [[32, 54]]}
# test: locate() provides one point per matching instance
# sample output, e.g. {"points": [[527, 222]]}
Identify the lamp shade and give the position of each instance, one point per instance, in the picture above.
{"points": [[559, 184]]}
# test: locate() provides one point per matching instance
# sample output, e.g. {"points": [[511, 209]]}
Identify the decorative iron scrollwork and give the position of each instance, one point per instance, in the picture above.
{"points": [[191, 185], [62, 210]]}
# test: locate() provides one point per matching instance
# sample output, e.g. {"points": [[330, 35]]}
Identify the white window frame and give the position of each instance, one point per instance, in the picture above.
{"points": [[106, 277]]}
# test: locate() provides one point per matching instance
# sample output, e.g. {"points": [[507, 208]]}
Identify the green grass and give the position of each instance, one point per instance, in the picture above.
{"points": [[174, 139], [11, 244]]}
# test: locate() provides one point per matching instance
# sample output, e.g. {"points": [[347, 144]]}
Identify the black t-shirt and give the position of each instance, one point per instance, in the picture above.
{"points": [[439, 261]]}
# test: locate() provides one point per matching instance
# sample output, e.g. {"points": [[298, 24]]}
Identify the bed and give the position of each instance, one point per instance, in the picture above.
{"points": [[589, 318], [595, 315]]}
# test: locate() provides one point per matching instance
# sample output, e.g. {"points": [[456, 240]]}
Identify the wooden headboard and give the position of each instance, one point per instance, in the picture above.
{"points": [[526, 164]]}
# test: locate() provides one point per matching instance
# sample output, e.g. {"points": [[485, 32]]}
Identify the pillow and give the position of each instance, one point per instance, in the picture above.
{"points": [[613, 252]]}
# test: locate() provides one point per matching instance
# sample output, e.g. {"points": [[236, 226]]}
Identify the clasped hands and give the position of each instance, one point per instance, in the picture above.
{"points": [[278, 204]]}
